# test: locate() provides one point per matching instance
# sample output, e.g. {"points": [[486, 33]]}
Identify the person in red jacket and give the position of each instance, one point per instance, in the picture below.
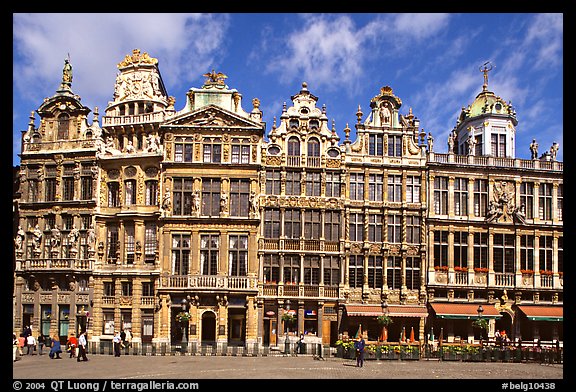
{"points": [[72, 343]]}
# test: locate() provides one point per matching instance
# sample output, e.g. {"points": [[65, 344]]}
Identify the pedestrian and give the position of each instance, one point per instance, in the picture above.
{"points": [[56, 348], [82, 347], [116, 341], [31, 344], [128, 338], [41, 342], [359, 345], [21, 343], [72, 344], [14, 347], [300, 343], [123, 336]]}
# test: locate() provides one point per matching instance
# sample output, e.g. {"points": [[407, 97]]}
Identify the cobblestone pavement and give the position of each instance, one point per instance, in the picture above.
{"points": [[301, 367]]}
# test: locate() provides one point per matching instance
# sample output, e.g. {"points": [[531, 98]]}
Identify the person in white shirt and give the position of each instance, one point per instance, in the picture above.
{"points": [[82, 347], [31, 343], [116, 340]]}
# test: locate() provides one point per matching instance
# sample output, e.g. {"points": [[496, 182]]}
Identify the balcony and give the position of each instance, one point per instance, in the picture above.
{"points": [[221, 282], [296, 290], [61, 145], [504, 279], [55, 264], [496, 161], [145, 118]]}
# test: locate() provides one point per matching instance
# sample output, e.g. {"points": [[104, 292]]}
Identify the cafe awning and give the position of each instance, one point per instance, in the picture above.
{"points": [[463, 311], [363, 310], [543, 312]]}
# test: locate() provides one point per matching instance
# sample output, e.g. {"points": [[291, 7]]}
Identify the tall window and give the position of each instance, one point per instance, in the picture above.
{"points": [[211, 196], [413, 185], [356, 271], [239, 195], [313, 181], [376, 145], [561, 254], [151, 192], [479, 146], [130, 186], [461, 249], [113, 194], [312, 270], [356, 186], [272, 223], [68, 183], [293, 151], [150, 243], [183, 147], [180, 254], [441, 248], [356, 227], [375, 272], [271, 268], [394, 145], [112, 243], [129, 243], [375, 187], [394, 228], [182, 196], [86, 184], [560, 201], [212, 150], [240, 150], [147, 289], [313, 152], [395, 188], [545, 201], [393, 272], [209, 245], [480, 197], [50, 193], [332, 184], [63, 126], [33, 191], [331, 271], [441, 195], [413, 229], [527, 252], [292, 219], [272, 182], [312, 224], [332, 226], [412, 273], [480, 250], [461, 196], [238, 255], [291, 269], [293, 183], [545, 250], [504, 253], [375, 228], [527, 198], [498, 145]]}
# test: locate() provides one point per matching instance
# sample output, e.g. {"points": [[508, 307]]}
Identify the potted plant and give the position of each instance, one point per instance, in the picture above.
{"points": [[183, 317], [384, 320]]}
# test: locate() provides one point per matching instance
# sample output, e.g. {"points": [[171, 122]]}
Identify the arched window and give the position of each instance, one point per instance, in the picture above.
{"points": [[63, 125], [313, 152], [293, 151]]}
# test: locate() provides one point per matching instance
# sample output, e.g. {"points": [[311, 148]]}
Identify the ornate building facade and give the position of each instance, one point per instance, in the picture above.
{"points": [[196, 226]]}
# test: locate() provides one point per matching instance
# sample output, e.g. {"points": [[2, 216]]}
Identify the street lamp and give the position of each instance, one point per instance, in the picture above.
{"points": [[287, 341], [480, 310], [184, 324]]}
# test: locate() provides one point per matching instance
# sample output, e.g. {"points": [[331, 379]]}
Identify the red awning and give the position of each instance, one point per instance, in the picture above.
{"points": [[463, 311], [360, 310], [543, 312]]}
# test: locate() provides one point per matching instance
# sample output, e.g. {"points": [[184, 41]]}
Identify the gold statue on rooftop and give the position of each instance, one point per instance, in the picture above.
{"points": [[215, 78]]}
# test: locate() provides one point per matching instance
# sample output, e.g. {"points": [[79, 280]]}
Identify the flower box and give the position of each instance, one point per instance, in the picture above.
{"points": [[546, 272], [484, 270], [441, 268]]}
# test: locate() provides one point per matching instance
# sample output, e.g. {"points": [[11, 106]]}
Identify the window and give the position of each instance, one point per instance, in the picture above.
{"points": [[67, 222], [211, 196], [412, 273], [331, 271], [238, 255], [498, 145], [183, 147], [375, 228], [561, 254], [113, 194], [212, 150], [312, 225], [291, 269], [112, 244], [109, 289], [130, 186], [394, 228], [394, 145], [293, 183], [292, 221], [86, 184], [150, 243], [413, 186], [545, 251], [461, 249], [441, 195], [527, 198], [272, 223], [271, 268], [395, 188], [356, 227], [180, 254], [504, 253], [151, 192], [272, 182], [240, 151], [356, 186], [293, 151], [50, 194], [313, 180], [527, 253], [68, 183], [182, 196], [332, 225], [332, 184], [239, 195], [129, 243], [209, 245], [33, 190], [479, 146], [147, 289], [441, 248], [63, 126], [375, 272], [560, 201], [127, 289], [481, 250], [356, 271], [376, 187], [480, 197], [461, 196], [545, 201], [393, 272], [312, 270], [50, 221], [376, 145], [313, 152], [413, 229]]}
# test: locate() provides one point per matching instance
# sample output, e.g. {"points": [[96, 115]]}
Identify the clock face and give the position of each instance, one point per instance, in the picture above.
{"points": [[62, 106]]}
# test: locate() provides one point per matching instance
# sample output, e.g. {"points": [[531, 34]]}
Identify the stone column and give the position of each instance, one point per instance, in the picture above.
{"points": [[136, 308], [253, 320]]}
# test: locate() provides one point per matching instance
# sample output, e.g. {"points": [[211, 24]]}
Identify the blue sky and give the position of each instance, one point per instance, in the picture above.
{"points": [[431, 61]]}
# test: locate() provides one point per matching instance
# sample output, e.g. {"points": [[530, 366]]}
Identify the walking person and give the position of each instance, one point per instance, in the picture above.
{"points": [[117, 341], [21, 343], [56, 348], [359, 345], [82, 347], [128, 338], [41, 342], [72, 343], [31, 344], [300, 343], [14, 347]]}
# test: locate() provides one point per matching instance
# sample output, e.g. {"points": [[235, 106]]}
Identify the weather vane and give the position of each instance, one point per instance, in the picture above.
{"points": [[485, 68]]}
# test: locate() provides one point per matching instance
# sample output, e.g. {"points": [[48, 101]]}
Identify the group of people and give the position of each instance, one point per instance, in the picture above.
{"points": [[121, 340], [76, 346]]}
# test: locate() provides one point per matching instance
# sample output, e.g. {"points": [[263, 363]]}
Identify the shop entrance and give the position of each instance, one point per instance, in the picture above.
{"points": [[208, 327]]}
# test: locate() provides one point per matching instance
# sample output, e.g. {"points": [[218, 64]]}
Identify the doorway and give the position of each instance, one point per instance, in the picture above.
{"points": [[208, 327]]}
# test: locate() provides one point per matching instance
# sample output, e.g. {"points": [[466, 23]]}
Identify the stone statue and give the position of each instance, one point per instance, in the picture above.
{"points": [[450, 143], [110, 148], [430, 142], [223, 202], [520, 214], [67, 72], [130, 147], [196, 202], [91, 237], [19, 239], [166, 202], [534, 149], [494, 211], [554, 150], [37, 237], [471, 145], [254, 204], [153, 144], [55, 239], [73, 236]]}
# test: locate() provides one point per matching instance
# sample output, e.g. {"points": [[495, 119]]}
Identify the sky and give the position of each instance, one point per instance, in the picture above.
{"points": [[431, 61]]}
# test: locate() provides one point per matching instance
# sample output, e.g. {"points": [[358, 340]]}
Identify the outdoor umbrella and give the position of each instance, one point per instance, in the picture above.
{"points": [[403, 334], [384, 334], [441, 337], [412, 335], [359, 331]]}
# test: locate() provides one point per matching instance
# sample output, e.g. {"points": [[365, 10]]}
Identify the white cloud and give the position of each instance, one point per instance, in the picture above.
{"points": [[546, 34]]}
